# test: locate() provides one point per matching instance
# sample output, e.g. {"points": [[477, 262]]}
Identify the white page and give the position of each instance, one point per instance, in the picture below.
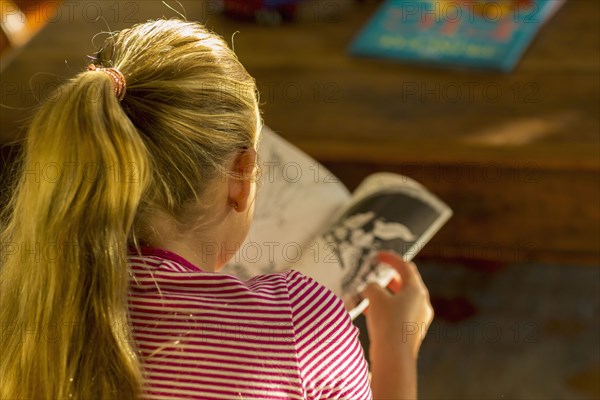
{"points": [[296, 198]]}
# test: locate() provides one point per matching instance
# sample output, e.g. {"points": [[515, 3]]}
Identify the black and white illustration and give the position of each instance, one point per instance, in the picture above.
{"points": [[401, 220]]}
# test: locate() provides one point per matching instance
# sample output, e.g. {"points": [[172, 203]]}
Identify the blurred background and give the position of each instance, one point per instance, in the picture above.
{"points": [[513, 148]]}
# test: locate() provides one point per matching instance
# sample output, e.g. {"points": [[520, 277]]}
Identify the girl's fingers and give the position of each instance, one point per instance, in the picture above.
{"points": [[408, 270], [396, 261], [375, 293], [395, 284]]}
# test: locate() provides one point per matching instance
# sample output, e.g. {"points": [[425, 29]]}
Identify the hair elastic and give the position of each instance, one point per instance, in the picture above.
{"points": [[117, 77]]}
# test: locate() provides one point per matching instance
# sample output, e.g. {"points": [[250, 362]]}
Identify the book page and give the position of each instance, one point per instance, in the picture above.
{"points": [[387, 212], [296, 196]]}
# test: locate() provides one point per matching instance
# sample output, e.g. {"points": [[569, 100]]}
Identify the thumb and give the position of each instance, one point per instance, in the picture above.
{"points": [[375, 293]]}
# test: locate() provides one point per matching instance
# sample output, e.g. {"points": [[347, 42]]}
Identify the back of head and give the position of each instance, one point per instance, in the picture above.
{"points": [[92, 167]]}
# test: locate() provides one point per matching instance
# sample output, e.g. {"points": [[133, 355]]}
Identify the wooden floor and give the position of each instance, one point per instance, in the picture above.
{"points": [[515, 155]]}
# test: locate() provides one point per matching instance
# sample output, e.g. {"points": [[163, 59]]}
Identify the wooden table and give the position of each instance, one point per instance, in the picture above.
{"points": [[515, 155]]}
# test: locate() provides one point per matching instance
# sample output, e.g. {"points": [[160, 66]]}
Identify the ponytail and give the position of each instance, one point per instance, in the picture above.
{"points": [[63, 271], [92, 169]]}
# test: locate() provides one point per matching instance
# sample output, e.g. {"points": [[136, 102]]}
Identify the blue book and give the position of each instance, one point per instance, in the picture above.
{"points": [[489, 34]]}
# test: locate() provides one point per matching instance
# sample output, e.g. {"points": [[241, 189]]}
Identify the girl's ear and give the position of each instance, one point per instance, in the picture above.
{"points": [[242, 177]]}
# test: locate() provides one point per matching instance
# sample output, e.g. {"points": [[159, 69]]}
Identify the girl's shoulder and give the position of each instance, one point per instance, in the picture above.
{"points": [[164, 272], [160, 262], [158, 270]]}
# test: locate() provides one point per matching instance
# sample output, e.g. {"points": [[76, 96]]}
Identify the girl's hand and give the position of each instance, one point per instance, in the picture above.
{"points": [[398, 322]]}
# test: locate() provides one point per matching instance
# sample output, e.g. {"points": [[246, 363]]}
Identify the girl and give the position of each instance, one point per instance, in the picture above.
{"points": [[106, 287]]}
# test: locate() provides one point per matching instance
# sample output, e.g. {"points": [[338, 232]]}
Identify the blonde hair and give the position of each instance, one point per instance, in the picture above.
{"points": [[92, 167]]}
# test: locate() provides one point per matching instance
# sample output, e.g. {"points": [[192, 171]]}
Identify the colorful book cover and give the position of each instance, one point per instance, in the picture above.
{"points": [[489, 34]]}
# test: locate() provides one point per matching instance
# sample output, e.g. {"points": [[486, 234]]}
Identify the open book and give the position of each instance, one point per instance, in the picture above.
{"points": [[305, 219]]}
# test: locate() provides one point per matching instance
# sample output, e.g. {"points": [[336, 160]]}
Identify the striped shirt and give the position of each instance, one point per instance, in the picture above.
{"points": [[205, 335]]}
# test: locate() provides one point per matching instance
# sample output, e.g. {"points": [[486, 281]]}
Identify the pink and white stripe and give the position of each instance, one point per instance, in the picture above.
{"points": [[204, 335]]}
